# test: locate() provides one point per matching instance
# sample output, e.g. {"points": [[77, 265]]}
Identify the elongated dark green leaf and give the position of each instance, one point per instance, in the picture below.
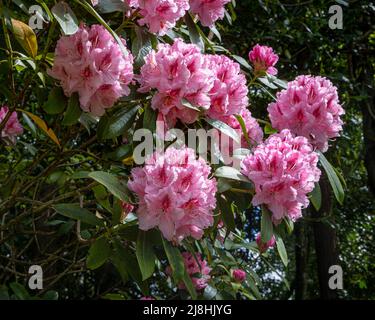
{"points": [[73, 112], [334, 180], [242, 62], [73, 211], [175, 260], [189, 285], [266, 226], [65, 17], [99, 253], [145, 254], [20, 291], [127, 262], [316, 197], [149, 119], [282, 251], [194, 32], [111, 182], [117, 123], [227, 214], [244, 130]]}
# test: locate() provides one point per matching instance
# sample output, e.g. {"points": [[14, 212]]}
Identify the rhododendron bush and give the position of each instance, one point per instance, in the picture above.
{"points": [[99, 173]]}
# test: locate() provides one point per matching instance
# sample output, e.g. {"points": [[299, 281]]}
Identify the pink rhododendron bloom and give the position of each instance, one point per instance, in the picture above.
{"points": [[239, 275], [178, 72], [264, 246], [175, 194], [309, 107], [263, 59], [91, 63], [197, 268], [12, 127], [229, 92], [159, 15], [283, 170], [208, 11]]}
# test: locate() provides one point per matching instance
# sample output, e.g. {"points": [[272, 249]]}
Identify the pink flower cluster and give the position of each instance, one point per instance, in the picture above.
{"points": [[208, 11], [175, 194], [92, 63], [309, 107], [198, 270], [12, 127], [239, 275], [181, 74], [178, 72], [263, 59], [162, 15], [283, 170], [264, 246], [159, 15], [229, 92]]}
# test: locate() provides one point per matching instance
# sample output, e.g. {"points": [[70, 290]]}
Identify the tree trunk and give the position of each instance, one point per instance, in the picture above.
{"points": [[325, 241]]}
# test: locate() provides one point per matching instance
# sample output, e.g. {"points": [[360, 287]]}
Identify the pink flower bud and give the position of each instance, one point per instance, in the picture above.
{"points": [[264, 246], [263, 59], [239, 275]]}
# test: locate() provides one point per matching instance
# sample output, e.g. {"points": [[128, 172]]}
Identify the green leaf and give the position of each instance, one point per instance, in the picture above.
{"points": [[141, 45], [145, 254], [224, 128], [121, 152], [119, 260], [127, 261], [65, 17], [230, 173], [99, 253], [282, 251], [242, 62], [117, 123], [20, 291], [56, 102], [227, 214], [266, 81], [244, 129], [316, 197], [111, 182], [149, 119], [194, 32], [266, 226], [74, 211], [175, 260], [51, 295], [189, 285], [334, 180], [73, 112], [114, 296]]}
